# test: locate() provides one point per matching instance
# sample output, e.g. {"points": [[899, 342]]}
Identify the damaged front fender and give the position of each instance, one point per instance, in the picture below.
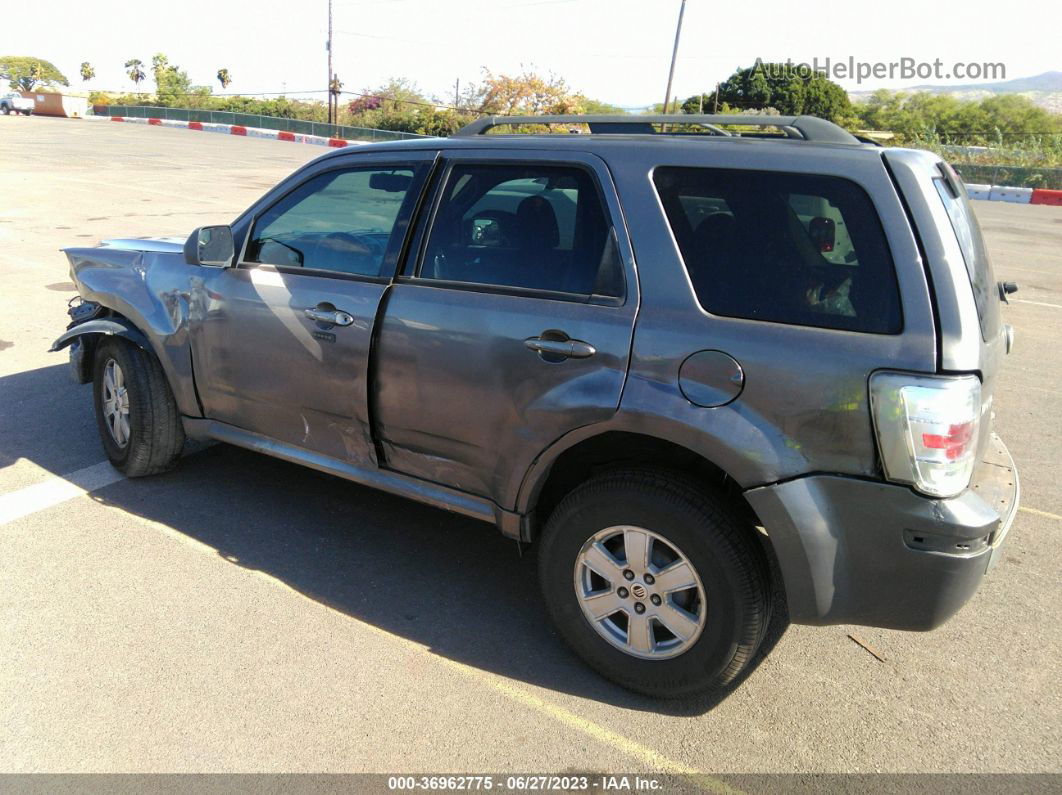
{"points": [[144, 290], [114, 327], [82, 340]]}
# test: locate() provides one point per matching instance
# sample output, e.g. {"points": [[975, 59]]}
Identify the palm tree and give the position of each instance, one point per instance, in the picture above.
{"points": [[87, 72], [136, 74], [223, 78]]}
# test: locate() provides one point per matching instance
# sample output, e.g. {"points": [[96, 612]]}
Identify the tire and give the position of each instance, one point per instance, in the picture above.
{"points": [[27, 112], [6, 109], [151, 438], [731, 597]]}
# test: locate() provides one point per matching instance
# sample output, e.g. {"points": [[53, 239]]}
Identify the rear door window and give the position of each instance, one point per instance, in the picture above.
{"points": [[787, 248], [530, 227]]}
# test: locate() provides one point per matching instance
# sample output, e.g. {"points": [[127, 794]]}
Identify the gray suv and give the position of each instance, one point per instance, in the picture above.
{"points": [[698, 366]]}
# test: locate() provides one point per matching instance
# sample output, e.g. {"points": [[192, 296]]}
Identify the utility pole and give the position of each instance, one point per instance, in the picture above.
{"points": [[674, 56], [328, 46], [716, 109], [457, 93]]}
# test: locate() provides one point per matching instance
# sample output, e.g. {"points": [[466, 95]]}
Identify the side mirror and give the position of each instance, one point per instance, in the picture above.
{"points": [[211, 246]]}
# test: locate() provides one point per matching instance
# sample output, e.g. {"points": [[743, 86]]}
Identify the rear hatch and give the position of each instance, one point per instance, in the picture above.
{"points": [[971, 337], [983, 285]]}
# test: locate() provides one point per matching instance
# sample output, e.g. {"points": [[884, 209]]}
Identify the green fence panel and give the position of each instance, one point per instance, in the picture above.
{"points": [[1010, 176], [300, 126]]}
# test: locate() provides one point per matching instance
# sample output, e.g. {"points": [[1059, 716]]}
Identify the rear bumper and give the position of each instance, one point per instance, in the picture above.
{"points": [[864, 552]]}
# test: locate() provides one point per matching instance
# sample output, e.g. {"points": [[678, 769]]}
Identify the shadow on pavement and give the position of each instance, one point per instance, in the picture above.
{"points": [[452, 584]]}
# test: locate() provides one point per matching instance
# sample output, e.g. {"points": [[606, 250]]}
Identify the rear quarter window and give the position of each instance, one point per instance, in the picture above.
{"points": [[799, 249]]}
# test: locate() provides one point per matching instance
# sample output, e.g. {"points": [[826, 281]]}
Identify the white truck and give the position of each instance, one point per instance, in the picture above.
{"points": [[16, 103]]}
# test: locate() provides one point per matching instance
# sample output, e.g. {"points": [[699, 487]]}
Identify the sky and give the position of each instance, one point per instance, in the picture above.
{"points": [[617, 51]]}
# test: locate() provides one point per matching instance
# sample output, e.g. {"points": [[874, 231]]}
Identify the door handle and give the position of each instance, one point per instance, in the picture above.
{"points": [[566, 348], [330, 317]]}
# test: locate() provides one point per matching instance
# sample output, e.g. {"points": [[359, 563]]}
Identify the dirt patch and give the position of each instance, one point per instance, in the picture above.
{"points": [[4, 345], [62, 287]]}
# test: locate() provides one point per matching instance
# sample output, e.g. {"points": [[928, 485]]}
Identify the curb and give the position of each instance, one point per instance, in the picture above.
{"points": [[234, 129]]}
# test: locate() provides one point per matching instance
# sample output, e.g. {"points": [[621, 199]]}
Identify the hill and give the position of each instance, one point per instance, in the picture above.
{"points": [[1043, 89]]}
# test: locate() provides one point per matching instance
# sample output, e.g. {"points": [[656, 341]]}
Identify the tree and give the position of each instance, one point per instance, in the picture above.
{"points": [[394, 96], [136, 73], [922, 115], [523, 95], [87, 72], [223, 78], [395, 105], [173, 86], [588, 105], [791, 90], [25, 73]]}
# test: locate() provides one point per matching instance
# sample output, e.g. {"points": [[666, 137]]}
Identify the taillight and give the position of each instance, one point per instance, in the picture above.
{"points": [[927, 429]]}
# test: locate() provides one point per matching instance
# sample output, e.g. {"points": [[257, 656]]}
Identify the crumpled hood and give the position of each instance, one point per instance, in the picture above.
{"points": [[169, 245]]}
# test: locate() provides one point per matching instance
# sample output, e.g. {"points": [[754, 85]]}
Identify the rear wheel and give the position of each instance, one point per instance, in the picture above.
{"points": [[136, 413], [659, 585]]}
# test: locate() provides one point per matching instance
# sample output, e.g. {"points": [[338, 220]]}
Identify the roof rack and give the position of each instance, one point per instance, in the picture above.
{"points": [[805, 128]]}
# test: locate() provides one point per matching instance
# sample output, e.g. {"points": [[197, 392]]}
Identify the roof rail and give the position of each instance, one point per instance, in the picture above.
{"points": [[806, 128]]}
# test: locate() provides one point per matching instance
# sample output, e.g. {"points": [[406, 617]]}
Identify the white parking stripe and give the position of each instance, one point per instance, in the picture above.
{"points": [[56, 490], [1037, 303]]}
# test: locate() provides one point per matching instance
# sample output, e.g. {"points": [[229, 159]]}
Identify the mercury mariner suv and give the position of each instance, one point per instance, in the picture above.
{"points": [[700, 361]]}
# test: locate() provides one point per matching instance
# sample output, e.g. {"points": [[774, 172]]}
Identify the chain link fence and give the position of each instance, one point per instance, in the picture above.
{"points": [[1010, 176], [254, 120]]}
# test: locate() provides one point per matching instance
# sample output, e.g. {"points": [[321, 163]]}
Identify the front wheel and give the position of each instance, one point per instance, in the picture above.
{"points": [[655, 582], [136, 413], [6, 110]]}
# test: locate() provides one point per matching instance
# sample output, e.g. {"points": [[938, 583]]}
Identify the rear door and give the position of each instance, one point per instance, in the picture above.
{"points": [[282, 345], [512, 325]]}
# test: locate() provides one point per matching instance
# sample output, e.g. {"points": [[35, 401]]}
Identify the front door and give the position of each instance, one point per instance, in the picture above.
{"points": [[282, 341], [512, 327]]}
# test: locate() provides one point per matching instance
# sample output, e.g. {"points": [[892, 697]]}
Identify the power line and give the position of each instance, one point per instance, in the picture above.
{"points": [[279, 94]]}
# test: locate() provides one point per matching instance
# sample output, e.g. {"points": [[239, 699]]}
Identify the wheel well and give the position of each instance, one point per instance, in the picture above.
{"points": [[622, 450], [92, 340]]}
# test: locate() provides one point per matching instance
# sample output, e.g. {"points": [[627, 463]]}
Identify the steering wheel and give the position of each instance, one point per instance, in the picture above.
{"points": [[358, 253]]}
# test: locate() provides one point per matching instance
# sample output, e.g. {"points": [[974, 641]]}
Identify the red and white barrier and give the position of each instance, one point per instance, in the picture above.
{"points": [[1014, 195], [235, 129], [1046, 196], [1000, 193]]}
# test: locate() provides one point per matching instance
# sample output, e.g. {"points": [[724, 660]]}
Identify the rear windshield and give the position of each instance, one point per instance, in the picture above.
{"points": [[801, 249], [968, 232]]}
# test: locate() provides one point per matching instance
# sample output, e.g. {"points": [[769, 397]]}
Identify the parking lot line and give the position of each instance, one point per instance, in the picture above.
{"points": [[55, 490], [1036, 303], [1049, 515]]}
